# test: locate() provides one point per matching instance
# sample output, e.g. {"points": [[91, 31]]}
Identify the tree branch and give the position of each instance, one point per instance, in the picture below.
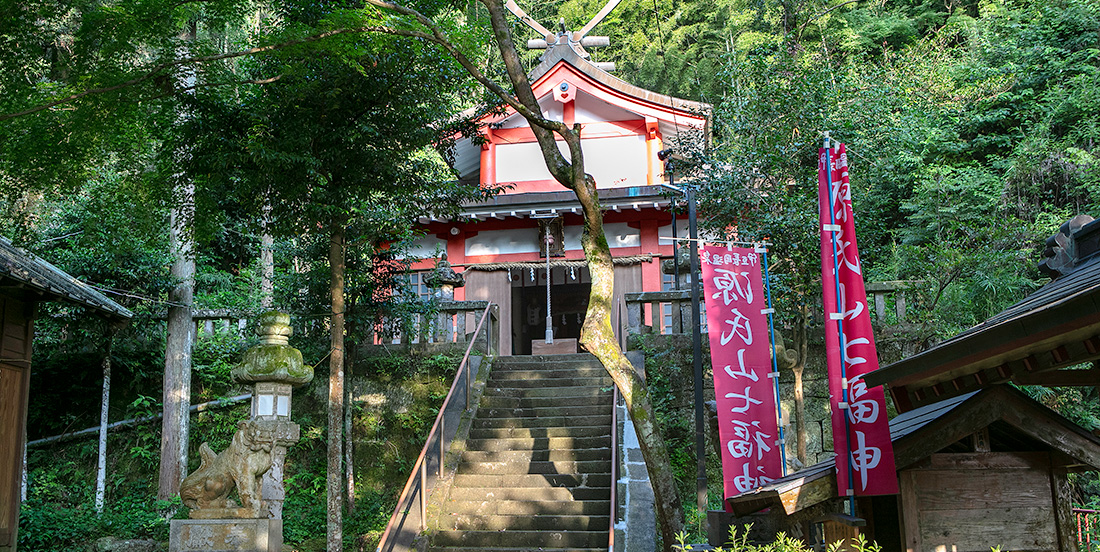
{"points": [[158, 69], [208, 85], [438, 37]]}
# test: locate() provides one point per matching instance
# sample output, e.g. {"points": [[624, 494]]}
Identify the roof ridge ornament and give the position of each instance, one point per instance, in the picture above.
{"points": [[576, 40]]}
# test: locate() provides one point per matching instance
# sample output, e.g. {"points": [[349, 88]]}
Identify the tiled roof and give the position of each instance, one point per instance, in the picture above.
{"points": [[39, 275]]}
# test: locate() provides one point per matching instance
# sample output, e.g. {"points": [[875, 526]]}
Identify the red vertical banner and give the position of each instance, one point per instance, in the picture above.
{"points": [[861, 430], [740, 353]]}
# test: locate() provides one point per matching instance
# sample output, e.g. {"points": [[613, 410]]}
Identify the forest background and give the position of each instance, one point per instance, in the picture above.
{"points": [[972, 130]]}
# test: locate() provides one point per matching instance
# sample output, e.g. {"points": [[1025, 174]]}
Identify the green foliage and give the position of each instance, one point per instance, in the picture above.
{"points": [[738, 541]]}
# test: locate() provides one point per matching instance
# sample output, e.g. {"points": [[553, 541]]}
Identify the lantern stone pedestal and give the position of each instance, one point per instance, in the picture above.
{"points": [[253, 462], [218, 535]]}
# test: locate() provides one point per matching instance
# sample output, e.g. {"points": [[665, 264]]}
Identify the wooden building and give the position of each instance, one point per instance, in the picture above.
{"points": [[26, 281], [499, 245], [988, 468]]}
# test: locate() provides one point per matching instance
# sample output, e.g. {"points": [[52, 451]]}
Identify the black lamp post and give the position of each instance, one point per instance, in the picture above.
{"points": [[696, 337]]}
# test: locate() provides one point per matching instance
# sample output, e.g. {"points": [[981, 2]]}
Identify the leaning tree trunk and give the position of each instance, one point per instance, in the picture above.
{"points": [[598, 338], [336, 390], [597, 334]]}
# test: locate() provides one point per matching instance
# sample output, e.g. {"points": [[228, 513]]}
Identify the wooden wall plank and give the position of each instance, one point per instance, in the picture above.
{"points": [[981, 489], [910, 511], [976, 530], [1063, 508], [15, 320], [990, 460]]}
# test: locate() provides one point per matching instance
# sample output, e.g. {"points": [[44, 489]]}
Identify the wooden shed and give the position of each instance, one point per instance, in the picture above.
{"points": [[25, 281], [988, 468]]}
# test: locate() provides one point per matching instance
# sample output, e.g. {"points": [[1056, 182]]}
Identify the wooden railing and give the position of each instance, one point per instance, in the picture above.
{"points": [[614, 467], [450, 324], [673, 308], [416, 487], [1088, 522]]}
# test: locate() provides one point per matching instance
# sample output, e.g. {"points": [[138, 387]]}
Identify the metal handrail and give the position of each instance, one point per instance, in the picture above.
{"points": [[614, 467], [419, 470]]}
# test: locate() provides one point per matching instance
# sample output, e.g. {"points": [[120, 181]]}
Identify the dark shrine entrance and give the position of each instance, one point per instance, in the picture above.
{"points": [[569, 290]]}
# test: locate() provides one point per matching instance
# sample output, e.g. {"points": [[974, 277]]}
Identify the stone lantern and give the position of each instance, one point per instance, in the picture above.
{"points": [[444, 279], [253, 462], [273, 367]]}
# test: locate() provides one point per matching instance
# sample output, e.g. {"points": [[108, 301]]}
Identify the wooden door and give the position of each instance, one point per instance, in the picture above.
{"points": [[15, 353], [971, 502]]}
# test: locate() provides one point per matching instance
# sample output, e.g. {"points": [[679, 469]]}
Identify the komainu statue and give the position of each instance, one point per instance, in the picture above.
{"points": [[248, 457]]}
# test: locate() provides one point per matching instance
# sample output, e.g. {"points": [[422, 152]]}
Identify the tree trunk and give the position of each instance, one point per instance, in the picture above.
{"points": [[181, 327], [267, 262], [349, 441], [105, 401], [336, 390], [177, 355], [597, 333], [598, 338], [801, 341]]}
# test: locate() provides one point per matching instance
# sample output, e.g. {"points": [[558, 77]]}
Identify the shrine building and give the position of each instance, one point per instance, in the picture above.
{"points": [[500, 245]]}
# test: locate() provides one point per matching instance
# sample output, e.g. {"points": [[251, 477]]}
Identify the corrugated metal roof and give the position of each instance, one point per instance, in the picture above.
{"points": [[32, 271], [900, 426], [911, 421]]}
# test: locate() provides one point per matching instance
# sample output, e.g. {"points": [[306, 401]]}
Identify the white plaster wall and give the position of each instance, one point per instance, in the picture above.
{"points": [[427, 246], [681, 229], [525, 240], [614, 162], [502, 242], [522, 162], [619, 234], [551, 109], [589, 109]]}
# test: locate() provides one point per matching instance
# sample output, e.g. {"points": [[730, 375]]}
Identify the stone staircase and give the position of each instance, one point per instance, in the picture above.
{"points": [[536, 473]]}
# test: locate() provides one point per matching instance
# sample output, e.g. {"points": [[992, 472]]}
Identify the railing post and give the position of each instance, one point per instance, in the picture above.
{"points": [[442, 433], [424, 495], [634, 318], [899, 304]]}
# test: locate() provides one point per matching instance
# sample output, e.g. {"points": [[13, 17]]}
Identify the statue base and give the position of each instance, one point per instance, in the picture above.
{"points": [[224, 535]]}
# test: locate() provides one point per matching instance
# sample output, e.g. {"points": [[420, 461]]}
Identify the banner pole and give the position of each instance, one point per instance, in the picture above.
{"points": [[850, 491], [782, 443]]}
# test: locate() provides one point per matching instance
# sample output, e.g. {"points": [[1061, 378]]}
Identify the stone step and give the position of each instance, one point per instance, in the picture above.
{"points": [[529, 481], [552, 372], [545, 411], [542, 402], [539, 360], [526, 523], [530, 494], [542, 422], [530, 508], [561, 466], [532, 382], [554, 392], [537, 455], [498, 549], [533, 540], [539, 432], [554, 443]]}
